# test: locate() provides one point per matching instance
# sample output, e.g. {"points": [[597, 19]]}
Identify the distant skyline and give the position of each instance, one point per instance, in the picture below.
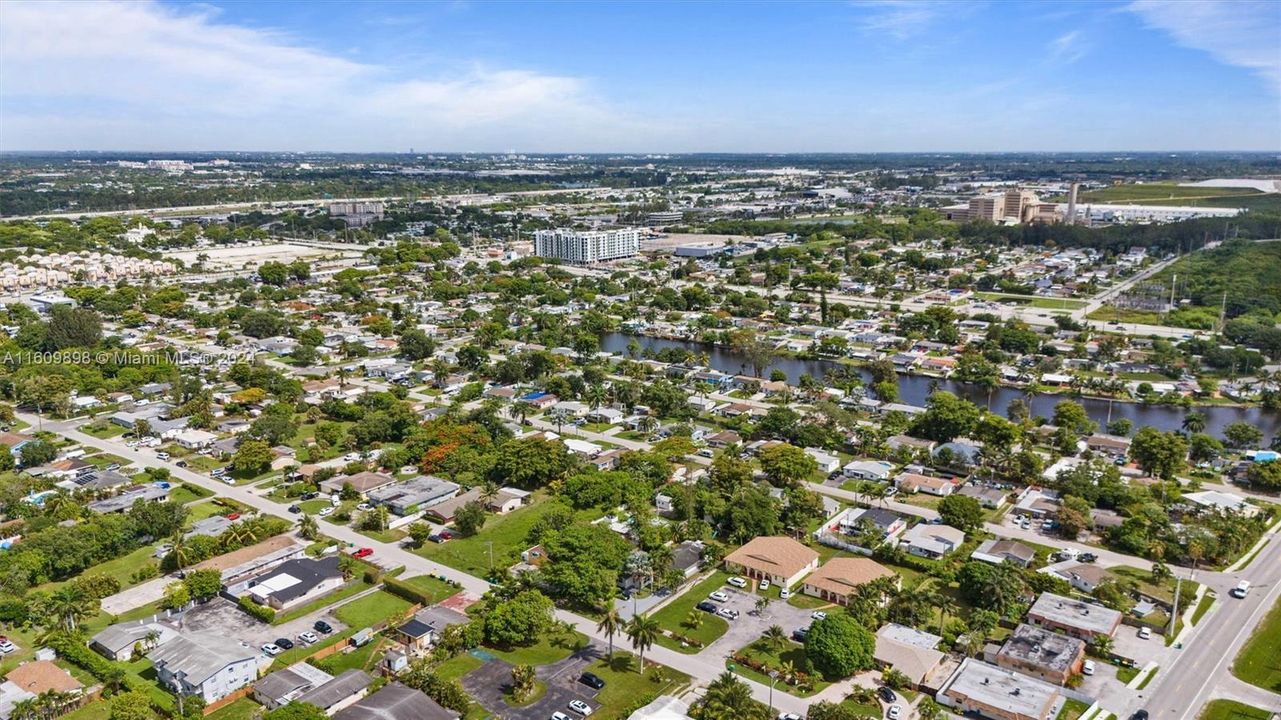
{"points": [[875, 76]]}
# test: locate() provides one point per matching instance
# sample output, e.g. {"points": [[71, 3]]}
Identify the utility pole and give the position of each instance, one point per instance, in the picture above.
{"points": [[1174, 615]]}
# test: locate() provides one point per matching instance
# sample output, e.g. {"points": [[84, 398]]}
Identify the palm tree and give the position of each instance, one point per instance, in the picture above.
{"points": [[643, 631], [595, 396], [519, 410], [762, 603], [946, 606], [728, 698], [488, 491], [646, 423], [693, 619], [610, 624], [1194, 422], [69, 605], [775, 637], [178, 549], [308, 527]]}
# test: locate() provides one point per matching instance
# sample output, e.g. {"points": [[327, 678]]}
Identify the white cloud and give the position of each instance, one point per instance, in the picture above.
{"points": [[126, 75], [1246, 34], [900, 18], [1067, 48]]}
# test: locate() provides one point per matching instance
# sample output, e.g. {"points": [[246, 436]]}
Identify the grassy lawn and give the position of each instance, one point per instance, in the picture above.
{"points": [[1231, 710], [1259, 663], [806, 602], [183, 494], [1126, 673], [624, 686], [121, 568], [457, 666], [547, 650], [507, 533], [761, 651], [105, 430], [242, 709], [387, 536], [433, 587], [1148, 679], [870, 710], [1036, 301], [540, 689], [1072, 709], [1202, 608], [355, 587], [361, 658], [102, 460], [372, 609], [672, 616]]}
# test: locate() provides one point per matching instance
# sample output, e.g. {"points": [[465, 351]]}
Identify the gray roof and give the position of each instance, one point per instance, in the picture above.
{"points": [[278, 686], [1012, 692], [307, 571], [1075, 613], [126, 499], [199, 656], [396, 702], [1042, 648], [122, 636], [337, 689]]}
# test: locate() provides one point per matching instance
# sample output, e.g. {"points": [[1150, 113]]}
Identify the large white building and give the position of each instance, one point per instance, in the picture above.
{"points": [[584, 247]]}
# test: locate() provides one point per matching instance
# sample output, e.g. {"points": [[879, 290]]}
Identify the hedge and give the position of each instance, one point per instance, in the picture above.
{"points": [[74, 651], [262, 612], [405, 591]]}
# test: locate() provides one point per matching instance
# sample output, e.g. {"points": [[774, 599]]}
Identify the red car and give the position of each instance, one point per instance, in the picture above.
{"points": [[234, 516], [363, 553]]}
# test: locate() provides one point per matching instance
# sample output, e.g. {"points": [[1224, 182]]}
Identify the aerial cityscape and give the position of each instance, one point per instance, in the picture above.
{"points": [[890, 359]]}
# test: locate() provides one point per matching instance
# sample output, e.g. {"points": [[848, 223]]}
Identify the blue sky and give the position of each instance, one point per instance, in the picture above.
{"points": [[641, 77]]}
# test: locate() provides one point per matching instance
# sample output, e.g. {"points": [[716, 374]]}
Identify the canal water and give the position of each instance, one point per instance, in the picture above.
{"points": [[914, 389]]}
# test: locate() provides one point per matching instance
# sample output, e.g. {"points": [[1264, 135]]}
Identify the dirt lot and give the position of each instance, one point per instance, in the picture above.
{"points": [[238, 256]]}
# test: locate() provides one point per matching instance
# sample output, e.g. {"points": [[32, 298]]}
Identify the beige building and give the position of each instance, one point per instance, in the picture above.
{"points": [[781, 560], [840, 578]]}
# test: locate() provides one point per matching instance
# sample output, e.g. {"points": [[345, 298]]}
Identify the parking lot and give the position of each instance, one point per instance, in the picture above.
{"points": [[750, 625], [488, 683], [221, 616]]}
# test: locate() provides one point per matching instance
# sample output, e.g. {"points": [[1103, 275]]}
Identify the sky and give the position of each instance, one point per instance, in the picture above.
{"points": [[863, 76]]}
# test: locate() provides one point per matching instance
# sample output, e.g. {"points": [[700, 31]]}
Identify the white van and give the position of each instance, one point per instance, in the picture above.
{"points": [[1240, 590]]}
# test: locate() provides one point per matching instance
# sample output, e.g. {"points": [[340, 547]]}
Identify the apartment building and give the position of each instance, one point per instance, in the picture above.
{"points": [[586, 247]]}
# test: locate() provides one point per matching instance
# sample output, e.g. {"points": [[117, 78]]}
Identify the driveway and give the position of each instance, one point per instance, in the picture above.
{"points": [[749, 626], [221, 616], [487, 683]]}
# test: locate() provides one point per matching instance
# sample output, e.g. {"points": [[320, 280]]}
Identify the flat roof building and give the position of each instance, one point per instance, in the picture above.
{"points": [[1074, 617], [587, 247], [1041, 653], [999, 693]]}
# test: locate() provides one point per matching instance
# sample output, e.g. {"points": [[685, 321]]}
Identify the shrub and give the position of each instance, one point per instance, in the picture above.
{"points": [[261, 612]]}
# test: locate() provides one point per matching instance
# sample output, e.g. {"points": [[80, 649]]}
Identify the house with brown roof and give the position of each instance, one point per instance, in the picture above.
{"points": [[840, 578], [362, 482], [781, 560], [910, 482], [40, 676]]}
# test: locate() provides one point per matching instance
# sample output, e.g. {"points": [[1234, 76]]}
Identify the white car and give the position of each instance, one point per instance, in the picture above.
{"points": [[7, 646], [228, 479], [271, 649], [580, 707], [1145, 632], [784, 594], [718, 596], [765, 584], [788, 716], [737, 582], [162, 456], [363, 506], [894, 712], [326, 511], [1088, 668], [818, 615], [558, 715], [728, 614], [308, 637]]}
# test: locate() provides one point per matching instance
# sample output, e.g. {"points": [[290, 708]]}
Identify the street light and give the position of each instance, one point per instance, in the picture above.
{"points": [[773, 680]]}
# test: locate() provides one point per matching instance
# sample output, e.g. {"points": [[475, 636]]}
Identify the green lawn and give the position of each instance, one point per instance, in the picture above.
{"points": [[434, 587], [1126, 673], [372, 609], [672, 616], [624, 686], [507, 533], [457, 666], [549, 649], [792, 652], [183, 494], [1232, 710], [242, 709], [1071, 710], [362, 658], [1202, 608], [1259, 663], [355, 587], [1036, 301], [121, 568]]}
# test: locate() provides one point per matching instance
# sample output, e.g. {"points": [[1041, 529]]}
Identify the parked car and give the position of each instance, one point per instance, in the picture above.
{"points": [[233, 516], [284, 643], [308, 637], [784, 594], [6, 645], [887, 694], [323, 627], [162, 456], [728, 614], [706, 606], [765, 584], [718, 596], [363, 552], [591, 680], [1088, 668], [295, 509], [326, 511], [818, 615], [1087, 557], [559, 716], [580, 707], [271, 649], [737, 582], [894, 712], [438, 537], [312, 495], [363, 506], [799, 634], [1145, 632], [788, 716], [1139, 714]]}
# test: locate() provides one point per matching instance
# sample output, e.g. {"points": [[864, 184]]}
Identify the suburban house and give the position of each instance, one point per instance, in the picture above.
{"points": [[1082, 577], [827, 462], [908, 650], [507, 500], [292, 583], [1074, 617], [781, 560], [999, 693], [931, 541], [444, 512], [396, 702], [410, 496], [989, 497], [868, 469], [117, 642], [285, 686], [361, 482], [840, 578], [1001, 551], [206, 664], [910, 482], [1111, 445], [1041, 653]]}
